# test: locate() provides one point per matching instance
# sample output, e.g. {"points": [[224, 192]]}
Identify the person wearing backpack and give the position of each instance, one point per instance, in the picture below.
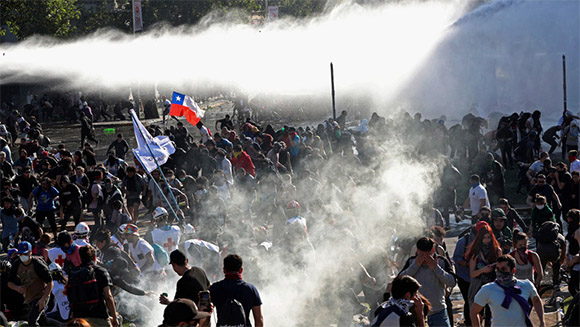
{"points": [[234, 298], [30, 277], [193, 279], [551, 247], [540, 214], [89, 291]]}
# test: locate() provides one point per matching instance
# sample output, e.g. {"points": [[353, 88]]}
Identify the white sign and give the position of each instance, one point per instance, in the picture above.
{"points": [[137, 16], [272, 13]]}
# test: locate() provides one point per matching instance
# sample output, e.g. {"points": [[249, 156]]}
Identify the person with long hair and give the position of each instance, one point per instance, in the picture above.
{"points": [[482, 255], [527, 261]]}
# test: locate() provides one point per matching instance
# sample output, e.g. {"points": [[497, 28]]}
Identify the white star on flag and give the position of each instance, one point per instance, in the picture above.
{"points": [[178, 98]]}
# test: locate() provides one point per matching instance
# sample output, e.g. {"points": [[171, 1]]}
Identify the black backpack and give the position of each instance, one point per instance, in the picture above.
{"points": [[82, 289], [548, 232], [232, 314]]}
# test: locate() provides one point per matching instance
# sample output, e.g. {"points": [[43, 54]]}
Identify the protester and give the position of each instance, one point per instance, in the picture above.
{"points": [[433, 270], [404, 298], [30, 277], [507, 298], [184, 312], [234, 288], [193, 279], [527, 261]]}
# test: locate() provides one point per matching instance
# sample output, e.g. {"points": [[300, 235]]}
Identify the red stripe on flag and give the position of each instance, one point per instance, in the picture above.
{"points": [[180, 111]]}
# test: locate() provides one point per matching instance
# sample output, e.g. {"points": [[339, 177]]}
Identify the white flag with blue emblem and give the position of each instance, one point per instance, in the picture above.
{"points": [[160, 147]]}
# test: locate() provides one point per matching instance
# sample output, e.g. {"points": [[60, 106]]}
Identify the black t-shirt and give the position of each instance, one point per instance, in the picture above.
{"points": [[225, 123], [545, 190], [238, 289], [29, 230], [26, 185], [191, 283], [100, 309]]}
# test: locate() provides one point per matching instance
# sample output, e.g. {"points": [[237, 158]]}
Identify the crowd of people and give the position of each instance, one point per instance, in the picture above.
{"points": [[264, 192]]}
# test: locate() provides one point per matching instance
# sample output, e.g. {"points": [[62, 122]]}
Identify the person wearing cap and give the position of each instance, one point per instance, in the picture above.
{"points": [[500, 229], [542, 188], [60, 310], [184, 312], [193, 279], [234, 287], [140, 250], [30, 277]]}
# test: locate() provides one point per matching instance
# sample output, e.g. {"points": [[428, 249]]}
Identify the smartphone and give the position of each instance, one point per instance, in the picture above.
{"points": [[204, 301]]}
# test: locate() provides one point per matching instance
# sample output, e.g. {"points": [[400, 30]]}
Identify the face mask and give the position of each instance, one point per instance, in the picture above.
{"points": [[24, 258], [474, 184], [505, 278], [67, 249], [522, 250], [181, 179], [571, 158], [539, 206]]}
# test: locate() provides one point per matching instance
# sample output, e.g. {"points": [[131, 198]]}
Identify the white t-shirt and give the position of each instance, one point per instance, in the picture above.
{"points": [[204, 134], [139, 253], [536, 166], [493, 295], [168, 238], [575, 165], [475, 195]]}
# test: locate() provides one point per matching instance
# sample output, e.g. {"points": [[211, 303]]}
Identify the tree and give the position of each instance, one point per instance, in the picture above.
{"points": [[47, 17]]}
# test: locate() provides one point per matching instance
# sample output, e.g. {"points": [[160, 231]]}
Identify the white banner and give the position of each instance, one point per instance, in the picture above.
{"points": [[137, 16], [272, 13]]}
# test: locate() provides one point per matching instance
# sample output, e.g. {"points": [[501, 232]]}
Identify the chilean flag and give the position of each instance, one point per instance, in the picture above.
{"points": [[183, 105]]}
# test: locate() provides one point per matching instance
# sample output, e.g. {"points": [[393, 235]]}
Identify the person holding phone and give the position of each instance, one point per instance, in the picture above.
{"points": [[193, 279]]}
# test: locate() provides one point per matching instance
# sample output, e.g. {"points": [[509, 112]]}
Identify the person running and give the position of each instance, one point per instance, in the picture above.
{"points": [[193, 279], [120, 146], [30, 277], [45, 196]]}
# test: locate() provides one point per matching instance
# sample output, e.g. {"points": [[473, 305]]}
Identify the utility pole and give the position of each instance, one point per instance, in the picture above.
{"points": [[332, 85]]}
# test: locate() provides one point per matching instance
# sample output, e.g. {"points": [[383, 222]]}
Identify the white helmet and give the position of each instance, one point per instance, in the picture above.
{"points": [[189, 229], [82, 230], [160, 213], [122, 228], [54, 267]]}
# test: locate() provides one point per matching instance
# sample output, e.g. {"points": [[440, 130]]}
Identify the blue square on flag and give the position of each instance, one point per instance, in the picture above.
{"points": [[178, 98]]}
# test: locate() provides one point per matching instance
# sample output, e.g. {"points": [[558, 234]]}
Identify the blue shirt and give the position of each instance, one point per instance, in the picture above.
{"points": [[245, 293], [9, 224], [459, 256], [44, 198]]}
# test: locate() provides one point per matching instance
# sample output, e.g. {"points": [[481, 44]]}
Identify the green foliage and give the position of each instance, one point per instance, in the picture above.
{"points": [[49, 17], [70, 18]]}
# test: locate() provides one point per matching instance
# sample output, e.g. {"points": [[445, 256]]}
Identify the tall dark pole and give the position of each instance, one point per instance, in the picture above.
{"points": [[564, 76], [332, 84]]}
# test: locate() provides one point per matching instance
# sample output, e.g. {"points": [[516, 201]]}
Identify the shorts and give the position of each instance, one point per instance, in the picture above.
{"points": [[133, 202]]}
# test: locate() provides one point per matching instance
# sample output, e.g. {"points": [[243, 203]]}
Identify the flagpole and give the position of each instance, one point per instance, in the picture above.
{"points": [[158, 167], [159, 188]]}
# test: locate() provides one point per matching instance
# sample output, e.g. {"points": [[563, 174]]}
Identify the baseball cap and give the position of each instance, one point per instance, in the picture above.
{"points": [[24, 247], [177, 257], [182, 310]]}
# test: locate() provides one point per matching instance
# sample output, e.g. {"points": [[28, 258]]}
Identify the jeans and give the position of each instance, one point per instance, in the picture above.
{"points": [[439, 319], [36, 317]]}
